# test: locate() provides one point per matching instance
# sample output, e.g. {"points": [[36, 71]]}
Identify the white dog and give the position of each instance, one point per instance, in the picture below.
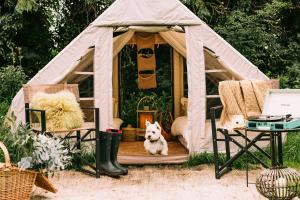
{"points": [[155, 143]]}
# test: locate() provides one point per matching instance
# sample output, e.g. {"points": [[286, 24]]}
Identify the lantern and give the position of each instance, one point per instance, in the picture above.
{"points": [[279, 183], [146, 110]]}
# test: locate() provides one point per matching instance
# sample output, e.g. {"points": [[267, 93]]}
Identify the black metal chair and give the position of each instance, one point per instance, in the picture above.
{"points": [[88, 127], [230, 137]]}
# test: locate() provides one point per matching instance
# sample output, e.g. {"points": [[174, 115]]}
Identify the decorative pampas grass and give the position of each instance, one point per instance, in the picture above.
{"points": [[62, 110]]}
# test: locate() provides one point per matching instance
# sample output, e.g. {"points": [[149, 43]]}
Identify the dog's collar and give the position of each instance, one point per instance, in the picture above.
{"points": [[152, 141], [159, 139]]}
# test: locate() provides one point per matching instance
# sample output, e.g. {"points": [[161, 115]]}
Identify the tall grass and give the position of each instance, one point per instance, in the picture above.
{"points": [[240, 163], [291, 150]]}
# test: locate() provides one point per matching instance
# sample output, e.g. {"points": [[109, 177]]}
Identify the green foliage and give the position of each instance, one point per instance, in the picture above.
{"points": [[131, 94], [27, 5], [240, 163], [10, 24], [4, 106], [25, 35], [292, 148], [17, 141], [202, 158], [12, 79]]}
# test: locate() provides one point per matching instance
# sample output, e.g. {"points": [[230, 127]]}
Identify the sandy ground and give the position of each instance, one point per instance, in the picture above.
{"points": [[154, 182]]}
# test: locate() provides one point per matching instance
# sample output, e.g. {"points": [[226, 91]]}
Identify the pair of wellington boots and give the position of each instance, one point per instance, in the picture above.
{"points": [[109, 146]]}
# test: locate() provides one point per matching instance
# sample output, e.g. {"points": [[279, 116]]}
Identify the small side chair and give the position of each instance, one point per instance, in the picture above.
{"points": [[80, 134]]}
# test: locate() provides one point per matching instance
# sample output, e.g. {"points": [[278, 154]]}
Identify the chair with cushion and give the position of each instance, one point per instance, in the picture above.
{"points": [[39, 96]]}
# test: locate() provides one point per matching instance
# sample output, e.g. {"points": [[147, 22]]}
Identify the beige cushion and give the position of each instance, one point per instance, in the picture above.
{"points": [[62, 110], [117, 123]]}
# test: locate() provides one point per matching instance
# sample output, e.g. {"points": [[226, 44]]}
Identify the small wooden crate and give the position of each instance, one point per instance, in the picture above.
{"points": [[140, 134], [129, 134]]}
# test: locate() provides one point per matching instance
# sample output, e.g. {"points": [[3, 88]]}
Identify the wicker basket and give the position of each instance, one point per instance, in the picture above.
{"points": [[129, 133], [15, 184]]}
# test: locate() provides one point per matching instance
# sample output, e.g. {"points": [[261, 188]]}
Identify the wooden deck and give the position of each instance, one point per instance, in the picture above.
{"points": [[134, 153]]}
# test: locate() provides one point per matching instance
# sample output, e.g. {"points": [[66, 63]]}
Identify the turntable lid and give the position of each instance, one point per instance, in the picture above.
{"points": [[282, 102]]}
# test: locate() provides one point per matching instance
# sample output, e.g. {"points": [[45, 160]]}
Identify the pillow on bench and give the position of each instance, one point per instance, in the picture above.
{"points": [[62, 110]]}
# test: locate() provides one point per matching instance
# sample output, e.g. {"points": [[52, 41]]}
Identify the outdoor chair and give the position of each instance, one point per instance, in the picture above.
{"points": [[231, 137], [79, 134]]}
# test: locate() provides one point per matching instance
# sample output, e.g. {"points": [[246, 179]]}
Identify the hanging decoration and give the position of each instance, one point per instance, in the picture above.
{"points": [[146, 61]]}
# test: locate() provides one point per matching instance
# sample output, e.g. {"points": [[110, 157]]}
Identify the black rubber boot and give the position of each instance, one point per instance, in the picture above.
{"points": [[106, 166], [115, 141]]}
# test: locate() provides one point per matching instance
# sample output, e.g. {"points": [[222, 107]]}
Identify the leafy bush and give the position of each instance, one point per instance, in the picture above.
{"points": [[12, 79], [4, 105], [17, 142], [29, 150]]}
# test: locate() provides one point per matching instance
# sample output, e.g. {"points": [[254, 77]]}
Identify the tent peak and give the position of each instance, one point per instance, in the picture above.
{"points": [[147, 12]]}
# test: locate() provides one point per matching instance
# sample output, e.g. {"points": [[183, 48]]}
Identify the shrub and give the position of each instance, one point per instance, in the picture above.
{"points": [[4, 105], [12, 79], [17, 142]]}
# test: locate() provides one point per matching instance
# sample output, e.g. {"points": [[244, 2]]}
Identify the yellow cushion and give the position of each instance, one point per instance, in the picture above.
{"points": [[62, 110]]}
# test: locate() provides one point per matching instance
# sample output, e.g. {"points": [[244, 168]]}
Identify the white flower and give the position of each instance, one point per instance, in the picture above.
{"points": [[25, 163], [50, 152]]}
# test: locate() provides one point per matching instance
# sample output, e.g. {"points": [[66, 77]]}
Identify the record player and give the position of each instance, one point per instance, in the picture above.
{"points": [[269, 122], [281, 111]]}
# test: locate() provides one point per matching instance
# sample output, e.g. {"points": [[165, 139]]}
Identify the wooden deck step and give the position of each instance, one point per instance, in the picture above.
{"points": [[133, 153]]}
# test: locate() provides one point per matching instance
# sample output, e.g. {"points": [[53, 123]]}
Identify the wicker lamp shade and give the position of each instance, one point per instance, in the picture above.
{"points": [[279, 183]]}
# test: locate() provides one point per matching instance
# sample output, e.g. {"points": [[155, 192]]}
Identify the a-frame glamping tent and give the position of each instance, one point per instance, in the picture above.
{"points": [[206, 54]]}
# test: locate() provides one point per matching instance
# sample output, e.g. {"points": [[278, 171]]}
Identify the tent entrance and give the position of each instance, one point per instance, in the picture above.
{"points": [[130, 94]]}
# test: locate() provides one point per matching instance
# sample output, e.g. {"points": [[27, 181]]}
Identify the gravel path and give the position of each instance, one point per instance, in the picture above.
{"points": [[154, 182]]}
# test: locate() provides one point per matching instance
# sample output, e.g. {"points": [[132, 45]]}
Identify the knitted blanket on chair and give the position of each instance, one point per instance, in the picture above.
{"points": [[245, 98]]}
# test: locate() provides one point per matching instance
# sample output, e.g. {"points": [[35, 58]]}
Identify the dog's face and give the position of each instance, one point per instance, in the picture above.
{"points": [[153, 131]]}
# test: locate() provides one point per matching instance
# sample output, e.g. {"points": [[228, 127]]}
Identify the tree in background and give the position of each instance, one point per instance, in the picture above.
{"points": [[25, 37], [32, 32], [265, 31]]}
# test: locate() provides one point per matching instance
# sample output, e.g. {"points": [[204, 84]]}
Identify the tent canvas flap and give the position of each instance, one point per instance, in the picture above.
{"points": [[103, 62], [196, 88]]}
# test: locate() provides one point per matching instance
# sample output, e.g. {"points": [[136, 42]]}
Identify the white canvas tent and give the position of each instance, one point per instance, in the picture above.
{"points": [[154, 16]]}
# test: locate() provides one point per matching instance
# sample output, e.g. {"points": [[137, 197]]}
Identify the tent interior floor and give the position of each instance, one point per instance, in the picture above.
{"points": [[133, 153]]}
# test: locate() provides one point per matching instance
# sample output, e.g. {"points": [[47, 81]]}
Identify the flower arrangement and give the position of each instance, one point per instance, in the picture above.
{"points": [[34, 151], [49, 154]]}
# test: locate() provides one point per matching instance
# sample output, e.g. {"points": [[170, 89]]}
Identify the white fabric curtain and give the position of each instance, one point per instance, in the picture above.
{"points": [[176, 40], [196, 89], [103, 76], [120, 41]]}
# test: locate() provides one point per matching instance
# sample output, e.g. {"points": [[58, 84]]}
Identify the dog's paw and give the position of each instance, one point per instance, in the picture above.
{"points": [[164, 153], [152, 152]]}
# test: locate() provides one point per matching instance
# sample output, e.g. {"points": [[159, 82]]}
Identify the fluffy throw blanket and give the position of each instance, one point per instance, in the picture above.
{"points": [[62, 110]]}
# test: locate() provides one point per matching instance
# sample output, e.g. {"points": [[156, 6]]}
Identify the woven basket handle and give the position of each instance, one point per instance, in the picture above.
{"points": [[6, 155]]}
